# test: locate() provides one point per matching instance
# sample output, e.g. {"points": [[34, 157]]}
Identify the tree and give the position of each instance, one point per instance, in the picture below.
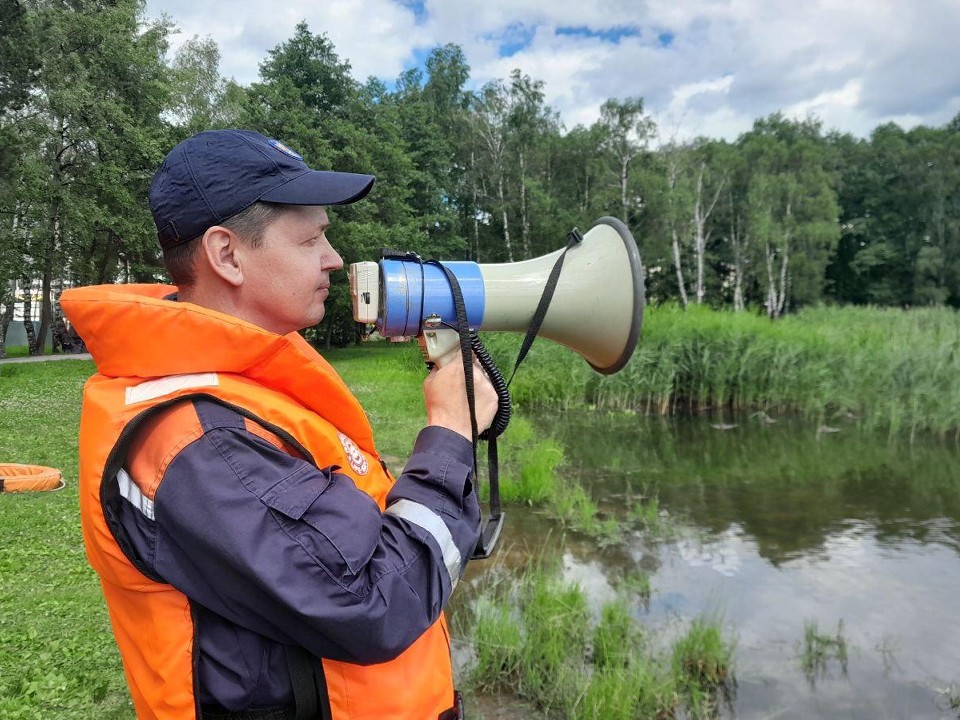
{"points": [[489, 118], [791, 209], [19, 60], [708, 186], [89, 125], [678, 198], [739, 239], [849, 275], [431, 120], [576, 184], [900, 217], [19, 56], [694, 181], [201, 98], [625, 133], [447, 152], [530, 122]]}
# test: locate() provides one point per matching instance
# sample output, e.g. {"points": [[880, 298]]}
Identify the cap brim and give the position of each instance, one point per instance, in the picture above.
{"points": [[321, 187]]}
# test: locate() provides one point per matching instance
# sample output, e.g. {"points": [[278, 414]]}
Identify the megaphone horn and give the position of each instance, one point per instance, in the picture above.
{"points": [[596, 309]]}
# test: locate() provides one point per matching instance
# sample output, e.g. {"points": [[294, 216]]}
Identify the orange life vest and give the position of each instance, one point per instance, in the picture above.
{"points": [[151, 352]]}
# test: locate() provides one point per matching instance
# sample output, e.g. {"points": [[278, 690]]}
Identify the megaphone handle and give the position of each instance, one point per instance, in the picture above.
{"points": [[440, 346]]}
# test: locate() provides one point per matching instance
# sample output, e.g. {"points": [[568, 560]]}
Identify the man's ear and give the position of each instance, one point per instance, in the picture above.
{"points": [[219, 250]]}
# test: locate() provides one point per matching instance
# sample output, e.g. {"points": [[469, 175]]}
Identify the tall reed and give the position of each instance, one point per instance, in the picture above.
{"points": [[888, 368]]}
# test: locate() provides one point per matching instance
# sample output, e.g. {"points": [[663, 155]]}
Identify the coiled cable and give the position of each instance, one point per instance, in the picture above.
{"points": [[504, 406]]}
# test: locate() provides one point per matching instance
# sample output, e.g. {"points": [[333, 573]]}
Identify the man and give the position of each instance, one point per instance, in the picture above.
{"points": [[257, 558]]}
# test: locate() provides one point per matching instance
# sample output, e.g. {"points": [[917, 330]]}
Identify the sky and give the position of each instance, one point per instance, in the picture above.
{"points": [[703, 67]]}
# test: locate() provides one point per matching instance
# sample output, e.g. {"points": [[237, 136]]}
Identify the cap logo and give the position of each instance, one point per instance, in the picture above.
{"points": [[284, 149]]}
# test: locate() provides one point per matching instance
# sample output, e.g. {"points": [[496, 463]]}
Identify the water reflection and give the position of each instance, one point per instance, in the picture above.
{"points": [[776, 527], [783, 484]]}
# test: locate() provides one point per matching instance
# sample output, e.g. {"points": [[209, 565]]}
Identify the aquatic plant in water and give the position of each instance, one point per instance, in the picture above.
{"points": [[819, 649], [702, 656], [534, 636]]}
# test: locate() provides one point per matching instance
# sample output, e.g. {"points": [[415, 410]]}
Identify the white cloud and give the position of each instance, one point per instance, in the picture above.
{"points": [[564, 65], [377, 37], [708, 67]]}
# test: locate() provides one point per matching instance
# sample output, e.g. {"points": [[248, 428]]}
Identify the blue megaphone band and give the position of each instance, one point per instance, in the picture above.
{"points": [[411, 291]]}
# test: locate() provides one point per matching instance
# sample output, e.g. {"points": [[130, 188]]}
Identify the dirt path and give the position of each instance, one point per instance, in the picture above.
{"points": [[41, 358]]}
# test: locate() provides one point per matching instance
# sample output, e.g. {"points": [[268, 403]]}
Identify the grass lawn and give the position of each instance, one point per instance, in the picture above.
{"points": [[57, 656]]}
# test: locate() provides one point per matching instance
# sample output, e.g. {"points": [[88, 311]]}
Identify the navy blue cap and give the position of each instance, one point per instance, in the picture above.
{"points": [[215, 174]]}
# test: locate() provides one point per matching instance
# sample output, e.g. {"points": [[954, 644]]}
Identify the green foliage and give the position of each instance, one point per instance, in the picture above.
{"points": [[641, 691], [616, 638], [552, 654], [498, 643], [899, 216], [885, 368], [624, 133], [575, 507], [555, 622], [201, 99], [783, 217], [819, 649], [702, 657], [646, 511], [532, 465]]}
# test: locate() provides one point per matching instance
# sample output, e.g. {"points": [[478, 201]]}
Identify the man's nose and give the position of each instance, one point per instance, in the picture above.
{"points": [[332, 260]]}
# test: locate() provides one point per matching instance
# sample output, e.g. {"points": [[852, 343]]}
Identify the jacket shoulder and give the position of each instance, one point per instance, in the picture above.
{"points": [[169, 430], [158, 441]]}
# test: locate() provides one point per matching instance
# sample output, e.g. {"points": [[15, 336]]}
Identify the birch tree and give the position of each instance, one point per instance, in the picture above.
{"points": [[791, 210], [676, 209], [694, 182], [531, 123], [708, 186], [626, 132], [489, 121]]}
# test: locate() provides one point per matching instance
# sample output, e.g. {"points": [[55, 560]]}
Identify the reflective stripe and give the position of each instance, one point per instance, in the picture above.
{"points": [[130, 491], [152, 389], [422, 516]]}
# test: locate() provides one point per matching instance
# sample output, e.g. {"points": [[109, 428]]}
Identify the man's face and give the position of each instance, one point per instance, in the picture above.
{"points": [[287, 279]]}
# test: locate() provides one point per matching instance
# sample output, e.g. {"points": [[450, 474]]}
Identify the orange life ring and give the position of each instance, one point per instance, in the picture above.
{"points": [[16, 478]]}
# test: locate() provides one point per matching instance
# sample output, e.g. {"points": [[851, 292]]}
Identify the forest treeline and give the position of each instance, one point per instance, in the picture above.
{"points": [[789, 214]]}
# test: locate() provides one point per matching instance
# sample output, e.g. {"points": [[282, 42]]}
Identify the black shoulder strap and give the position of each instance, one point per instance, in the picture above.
{"points": [[574, 238], [309, 685]]}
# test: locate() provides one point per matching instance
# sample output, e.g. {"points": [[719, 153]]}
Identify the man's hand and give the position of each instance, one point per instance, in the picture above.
{"points": [[444, 391]]}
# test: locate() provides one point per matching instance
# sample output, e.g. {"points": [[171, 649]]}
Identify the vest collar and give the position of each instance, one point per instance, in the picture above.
{"points": [[132, 331]]}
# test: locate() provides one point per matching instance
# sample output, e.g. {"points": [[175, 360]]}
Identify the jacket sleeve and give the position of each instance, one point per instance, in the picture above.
{"points": [[302, 556]]}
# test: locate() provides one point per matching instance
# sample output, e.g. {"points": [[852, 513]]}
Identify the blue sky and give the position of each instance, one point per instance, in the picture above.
{"points": [[703, 67]]}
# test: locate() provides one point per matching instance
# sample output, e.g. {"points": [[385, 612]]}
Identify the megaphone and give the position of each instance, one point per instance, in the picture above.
{"points": [[587, 296], [596, 308]]}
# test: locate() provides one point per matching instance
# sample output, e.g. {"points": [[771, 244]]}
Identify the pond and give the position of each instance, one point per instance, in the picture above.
{"points": [[774, 529]]}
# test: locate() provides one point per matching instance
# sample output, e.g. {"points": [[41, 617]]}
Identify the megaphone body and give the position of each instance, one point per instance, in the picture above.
{"points": [[596, 308]]}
